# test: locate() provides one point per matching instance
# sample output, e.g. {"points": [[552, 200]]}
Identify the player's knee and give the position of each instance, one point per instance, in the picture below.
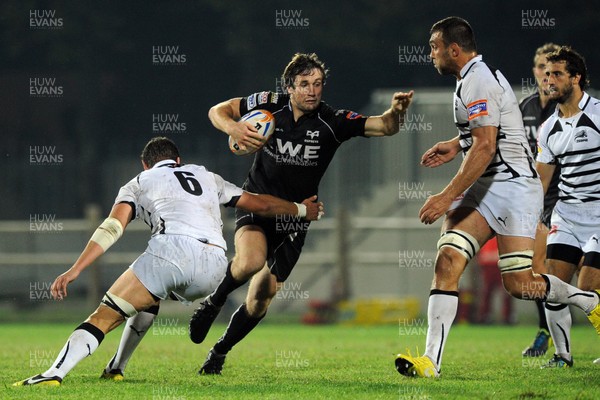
{"points": [[517, 275], [247, 265], [121, 306], [457, 246]]}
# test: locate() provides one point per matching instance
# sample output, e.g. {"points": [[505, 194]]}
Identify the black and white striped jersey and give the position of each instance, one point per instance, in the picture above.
{"points": [[483, 97], [574, 144]]}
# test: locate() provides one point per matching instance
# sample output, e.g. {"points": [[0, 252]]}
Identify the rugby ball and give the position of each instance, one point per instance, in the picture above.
{"points": [[263, 121]]}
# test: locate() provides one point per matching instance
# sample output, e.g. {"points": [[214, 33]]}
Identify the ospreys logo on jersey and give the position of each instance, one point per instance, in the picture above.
{"points": [[312, 134]]}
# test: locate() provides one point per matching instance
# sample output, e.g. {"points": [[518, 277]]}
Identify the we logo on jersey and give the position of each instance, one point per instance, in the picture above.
{"points": [[296, 154]]}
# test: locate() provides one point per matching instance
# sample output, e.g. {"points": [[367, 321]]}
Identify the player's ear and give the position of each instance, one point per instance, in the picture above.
{"points": [[178, 160], [454, 50], [145, 166]]}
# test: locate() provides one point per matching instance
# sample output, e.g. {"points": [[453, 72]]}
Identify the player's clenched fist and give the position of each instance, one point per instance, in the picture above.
{"points": [[314, 208]]}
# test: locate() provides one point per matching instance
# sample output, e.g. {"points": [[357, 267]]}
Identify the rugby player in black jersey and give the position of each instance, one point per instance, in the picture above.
{"points": [[536, 108], [292, 162]]}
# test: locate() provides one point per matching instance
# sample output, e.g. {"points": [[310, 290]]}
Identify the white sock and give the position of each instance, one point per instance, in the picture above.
{"points": [[84, 340], [562, 292], [559, 323], [441, 311], [135, 329]]}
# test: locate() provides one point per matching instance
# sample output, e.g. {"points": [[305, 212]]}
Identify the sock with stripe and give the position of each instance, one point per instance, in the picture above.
{"points": [[441, 311], [133, 333], [559, 323], [84, 340], [558, 291]]}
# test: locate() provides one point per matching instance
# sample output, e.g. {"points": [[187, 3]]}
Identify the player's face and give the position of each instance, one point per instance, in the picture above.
{"points": [[560, 82], [539, 72], [306, 93], [440, 55]]}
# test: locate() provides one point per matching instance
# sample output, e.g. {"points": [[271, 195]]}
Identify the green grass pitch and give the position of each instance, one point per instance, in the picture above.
{"points": [[303, 362]]}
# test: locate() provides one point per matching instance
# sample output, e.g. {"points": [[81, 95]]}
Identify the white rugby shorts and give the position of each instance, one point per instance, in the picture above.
{"points": [[576, 225], [180, 265], [511, 208]]}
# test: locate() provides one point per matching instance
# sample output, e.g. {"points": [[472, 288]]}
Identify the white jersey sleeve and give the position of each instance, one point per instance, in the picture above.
{"points": [[129, 194], [228, 192], [544, 154], [481, 100]]}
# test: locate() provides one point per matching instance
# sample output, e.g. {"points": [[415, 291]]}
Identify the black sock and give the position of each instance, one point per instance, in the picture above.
{"points": [[540, 304], [227, 285], [239, 326]]}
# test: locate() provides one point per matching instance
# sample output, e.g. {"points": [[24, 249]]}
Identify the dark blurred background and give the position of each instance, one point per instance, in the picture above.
{"points": [[100, 57]]}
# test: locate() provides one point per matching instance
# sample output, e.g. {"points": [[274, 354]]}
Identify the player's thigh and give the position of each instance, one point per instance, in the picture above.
{"points": [[129, 288], [250, 250], [539, 249], [468, 220], [511, 244], [589, 278]]}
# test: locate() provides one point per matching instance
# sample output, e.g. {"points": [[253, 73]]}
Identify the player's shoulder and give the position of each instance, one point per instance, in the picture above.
{"points": [[483, 77], [266, 99], [547, 126], [329, 113], [592, 107], [529, 101]]}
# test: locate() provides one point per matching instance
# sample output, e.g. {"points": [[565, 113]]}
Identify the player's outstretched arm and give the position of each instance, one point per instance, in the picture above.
{"points": [[225, 117], [270, 206], [389, 122], [441, 153], [105, 236]]}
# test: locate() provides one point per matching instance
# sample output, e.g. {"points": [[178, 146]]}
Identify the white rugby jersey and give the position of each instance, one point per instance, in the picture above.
{"points": [[483, 97], [574, 143], [181, 200]]}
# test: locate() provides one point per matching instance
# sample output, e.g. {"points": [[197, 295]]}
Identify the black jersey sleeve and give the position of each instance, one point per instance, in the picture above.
{"points": [[348, 124], [269, 101]]}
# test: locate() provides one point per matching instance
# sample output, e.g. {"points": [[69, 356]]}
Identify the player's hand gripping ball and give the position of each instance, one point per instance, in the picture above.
{"points": [[263, 121]]}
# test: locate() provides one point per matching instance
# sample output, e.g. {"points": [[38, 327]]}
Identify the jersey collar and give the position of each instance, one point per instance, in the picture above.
{"points": [[584, 100], [582, 103], [165, 163], [468, 65]]}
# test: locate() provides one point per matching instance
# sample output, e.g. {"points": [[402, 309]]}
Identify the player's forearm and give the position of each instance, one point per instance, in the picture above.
{"points": [[545, 171], [391, 121], [473, 166], [270, 206], [222, 116], [87, 257]]}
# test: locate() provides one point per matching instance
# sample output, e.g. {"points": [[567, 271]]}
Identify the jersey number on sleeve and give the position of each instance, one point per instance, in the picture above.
{"points": [[188, 182]]}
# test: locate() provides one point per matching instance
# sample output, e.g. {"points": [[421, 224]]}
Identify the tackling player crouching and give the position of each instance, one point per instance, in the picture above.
{"points": [[185, 257]]}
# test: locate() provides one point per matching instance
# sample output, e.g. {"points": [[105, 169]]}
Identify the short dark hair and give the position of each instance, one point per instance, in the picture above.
{"points": [[575, 63], [302, 64], [157, 149], [545, 49], [456, 30]]}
